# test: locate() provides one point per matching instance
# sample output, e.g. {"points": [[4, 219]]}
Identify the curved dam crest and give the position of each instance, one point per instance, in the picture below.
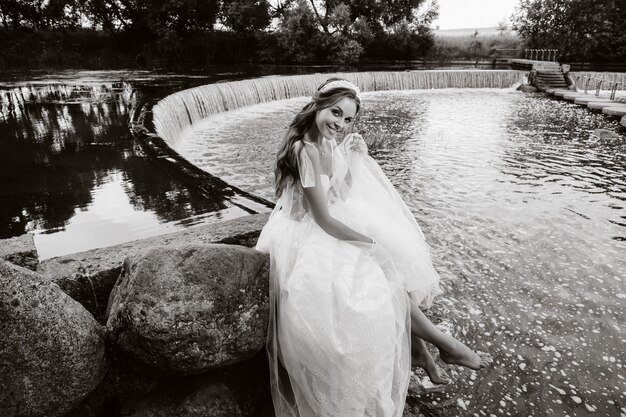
{"points": [[176, 112]]}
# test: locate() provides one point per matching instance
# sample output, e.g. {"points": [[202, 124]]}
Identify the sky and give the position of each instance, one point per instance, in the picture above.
{"points": [[462, 14]]}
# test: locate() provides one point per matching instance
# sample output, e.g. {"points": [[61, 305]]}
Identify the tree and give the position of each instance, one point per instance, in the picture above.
{"points": [[110, 15], [588, 30], [503, 27], [299, 35], [41, 14], [345, 30], [475, 43], [245, 15]]}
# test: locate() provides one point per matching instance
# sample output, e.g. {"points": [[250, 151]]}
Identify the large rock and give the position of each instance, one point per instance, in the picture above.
{"points": [[525, 88], [20, 251], [242, 388], [88, 277], [237, 390], [51, 348], [118, 387], [198, 396], [185, 310]]}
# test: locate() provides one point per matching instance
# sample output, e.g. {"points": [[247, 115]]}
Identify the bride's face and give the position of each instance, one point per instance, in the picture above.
{"points": [[334, 119]]}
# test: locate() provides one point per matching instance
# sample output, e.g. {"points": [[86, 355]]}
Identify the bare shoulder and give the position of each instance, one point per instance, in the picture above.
{"points": [[311, 151]]}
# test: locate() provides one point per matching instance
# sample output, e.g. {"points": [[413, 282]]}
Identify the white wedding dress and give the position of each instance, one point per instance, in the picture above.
{"points": [[339, 333]]}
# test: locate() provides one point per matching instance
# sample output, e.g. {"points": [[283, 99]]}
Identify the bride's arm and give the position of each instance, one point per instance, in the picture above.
{"points": [[319, 208]]}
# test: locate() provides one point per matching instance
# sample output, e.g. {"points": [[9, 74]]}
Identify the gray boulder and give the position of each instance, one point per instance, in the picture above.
{"points": [[51, 349], [185, 310], [198, 396], [88, 277], [20, 251]]}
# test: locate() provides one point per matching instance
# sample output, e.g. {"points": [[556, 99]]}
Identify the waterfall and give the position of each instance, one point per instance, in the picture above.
{"points": [[179, 110]]}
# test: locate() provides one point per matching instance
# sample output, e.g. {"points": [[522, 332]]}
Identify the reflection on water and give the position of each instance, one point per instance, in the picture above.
{"points": [[525, 211], [71, 174]]}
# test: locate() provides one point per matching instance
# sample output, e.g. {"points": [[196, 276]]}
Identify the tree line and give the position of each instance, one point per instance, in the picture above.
{"points": [[582, 30], [198, 32]]}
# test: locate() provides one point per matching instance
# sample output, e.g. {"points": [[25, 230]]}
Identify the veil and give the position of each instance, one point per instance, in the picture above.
{"points": [[366, 189]]}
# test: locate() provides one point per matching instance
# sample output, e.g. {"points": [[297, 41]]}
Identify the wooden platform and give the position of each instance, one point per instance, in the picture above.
{"points": [[528, 64]]}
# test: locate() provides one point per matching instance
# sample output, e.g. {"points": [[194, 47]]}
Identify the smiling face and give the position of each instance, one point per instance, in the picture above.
{"points": [[334, 119]]}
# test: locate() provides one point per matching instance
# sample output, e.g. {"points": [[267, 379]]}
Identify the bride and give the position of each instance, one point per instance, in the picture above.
{"points": [[350, 270]]}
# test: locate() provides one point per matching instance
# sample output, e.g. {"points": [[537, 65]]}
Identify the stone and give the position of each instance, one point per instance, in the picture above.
{"points": [[118, 387], [554, 91], [623, 122], [604, 134], [584, 100], [615, 110], [599, 105], [561, 93], [189, 309], [525, 88], [20, 251], [200, 396], [88, 277], [52, 352], [238, 390], [244, 387]]}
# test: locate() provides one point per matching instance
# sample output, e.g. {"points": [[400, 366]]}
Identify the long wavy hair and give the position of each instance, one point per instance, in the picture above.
{"points": [[287, 156]]}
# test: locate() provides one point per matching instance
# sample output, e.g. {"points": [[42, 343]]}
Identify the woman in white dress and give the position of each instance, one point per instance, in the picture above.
{"points": [[350, 270]]}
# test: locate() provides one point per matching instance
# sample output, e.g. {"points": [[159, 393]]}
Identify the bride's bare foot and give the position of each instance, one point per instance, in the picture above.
{"points": [[464, 356], [436, 375]]}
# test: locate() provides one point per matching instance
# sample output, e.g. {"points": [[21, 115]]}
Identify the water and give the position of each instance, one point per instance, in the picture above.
{"points": [[70, 172], [525, 210]]}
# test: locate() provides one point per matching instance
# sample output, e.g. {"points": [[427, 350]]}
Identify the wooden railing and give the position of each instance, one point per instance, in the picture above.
{"points": [[541, 54], [506, 53]]}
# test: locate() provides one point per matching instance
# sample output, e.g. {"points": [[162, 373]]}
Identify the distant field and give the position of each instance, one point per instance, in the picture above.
{"points": [[469, 32], [453, 44]]}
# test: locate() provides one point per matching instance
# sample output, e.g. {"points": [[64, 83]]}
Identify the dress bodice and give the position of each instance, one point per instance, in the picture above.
{"points": [[292, 201], [325, 183]]}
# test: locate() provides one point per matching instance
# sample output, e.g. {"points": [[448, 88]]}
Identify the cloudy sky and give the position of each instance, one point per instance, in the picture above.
{"points": [[461, 14]]}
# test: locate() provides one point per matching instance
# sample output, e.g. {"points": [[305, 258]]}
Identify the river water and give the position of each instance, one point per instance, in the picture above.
{"points": [[525, 210], [71, 173]]}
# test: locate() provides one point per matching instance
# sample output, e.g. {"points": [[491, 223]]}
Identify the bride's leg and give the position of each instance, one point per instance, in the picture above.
{"points": [[422, 358], [451, 350]]}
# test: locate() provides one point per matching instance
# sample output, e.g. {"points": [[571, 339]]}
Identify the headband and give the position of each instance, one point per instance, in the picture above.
{"points": [[340, 84]]}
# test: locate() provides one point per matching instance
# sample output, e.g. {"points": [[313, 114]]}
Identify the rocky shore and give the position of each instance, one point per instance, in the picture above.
{"points": [[171, 325]]}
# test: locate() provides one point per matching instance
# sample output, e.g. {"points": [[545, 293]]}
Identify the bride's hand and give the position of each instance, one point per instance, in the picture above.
{"points": [[355, 142]]}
